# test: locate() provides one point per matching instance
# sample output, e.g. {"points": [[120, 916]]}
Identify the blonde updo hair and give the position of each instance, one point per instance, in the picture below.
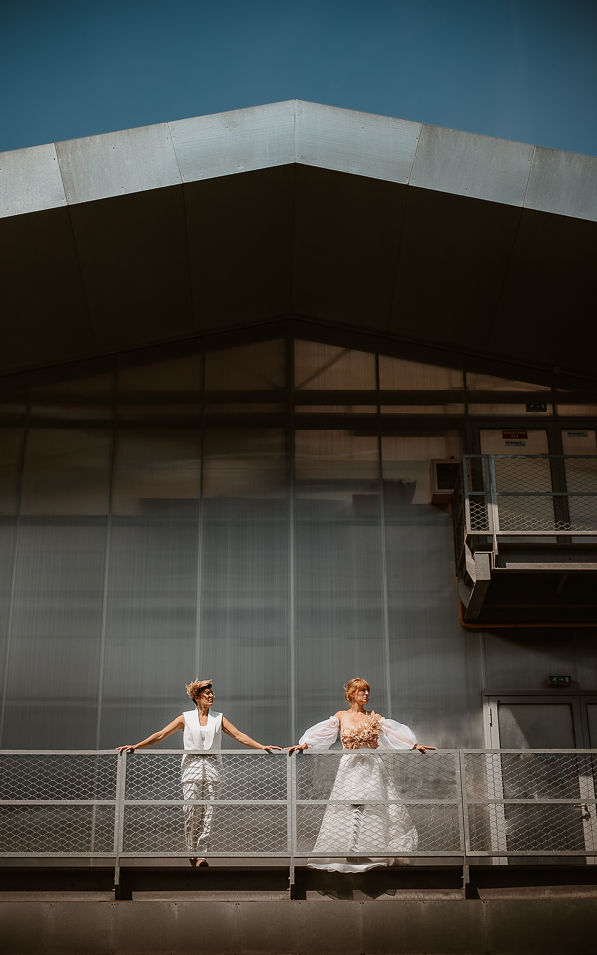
{"points": [[194, 688], [351, 688]]}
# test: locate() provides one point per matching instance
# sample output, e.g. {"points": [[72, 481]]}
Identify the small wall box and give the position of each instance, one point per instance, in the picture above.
{"points": [[444, 472]]}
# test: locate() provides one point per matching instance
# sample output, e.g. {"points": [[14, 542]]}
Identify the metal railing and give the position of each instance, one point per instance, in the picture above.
{"points": [[490, 804], [533, 498], [528, 495]]}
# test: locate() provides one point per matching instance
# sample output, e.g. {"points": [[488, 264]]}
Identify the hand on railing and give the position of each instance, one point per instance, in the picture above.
{"points": [[297, 748]]}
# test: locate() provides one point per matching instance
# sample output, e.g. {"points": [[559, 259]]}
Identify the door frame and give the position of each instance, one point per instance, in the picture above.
{"points": [[491, 702]]}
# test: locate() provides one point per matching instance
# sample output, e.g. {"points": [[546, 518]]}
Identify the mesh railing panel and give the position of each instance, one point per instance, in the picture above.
{"points": [[248, 830], [352, 832], [380, 804], [526, 513], [232, 804], [521, 472], [245, 776], [583, 512], [57, 803], [413, 775], [58, 776], [581, 473], [352, 805], [478, 513], [527, 830], [61, 830], [530, 803]]}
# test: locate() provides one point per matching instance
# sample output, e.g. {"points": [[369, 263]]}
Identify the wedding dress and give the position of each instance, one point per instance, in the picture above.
{"points": [[371, 819]]}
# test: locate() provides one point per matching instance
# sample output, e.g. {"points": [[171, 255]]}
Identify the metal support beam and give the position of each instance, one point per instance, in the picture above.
{"points": [[481, 583]]}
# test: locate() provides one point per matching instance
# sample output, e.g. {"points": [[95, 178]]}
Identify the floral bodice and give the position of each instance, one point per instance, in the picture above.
{"points": [[379, 732], [366, 735]]}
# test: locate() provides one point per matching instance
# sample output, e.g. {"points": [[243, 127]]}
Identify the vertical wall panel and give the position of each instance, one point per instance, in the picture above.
{"points": [[338, 582], [151, 599], [11, 444], [245, 596], [53, 659], [432, 659]]}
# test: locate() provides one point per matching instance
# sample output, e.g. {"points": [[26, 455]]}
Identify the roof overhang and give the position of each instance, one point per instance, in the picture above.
{"points": [[398, 229]]}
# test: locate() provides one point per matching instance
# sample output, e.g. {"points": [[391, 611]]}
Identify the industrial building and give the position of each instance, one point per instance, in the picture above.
{"points": [[293, 394]]}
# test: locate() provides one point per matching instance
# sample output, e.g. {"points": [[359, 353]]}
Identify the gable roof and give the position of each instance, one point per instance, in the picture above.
{"points": [[414, 232]]}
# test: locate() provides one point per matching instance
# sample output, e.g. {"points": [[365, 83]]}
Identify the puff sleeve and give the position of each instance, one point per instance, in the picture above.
{"points": [[322, 735], [396, 735]]}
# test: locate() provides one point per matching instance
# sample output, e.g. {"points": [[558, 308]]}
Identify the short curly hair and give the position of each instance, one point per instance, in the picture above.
{"points": [[195, 688], [351, 688]]}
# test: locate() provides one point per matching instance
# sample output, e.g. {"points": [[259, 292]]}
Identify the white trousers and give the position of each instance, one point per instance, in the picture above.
{"points": [[202, 779]]}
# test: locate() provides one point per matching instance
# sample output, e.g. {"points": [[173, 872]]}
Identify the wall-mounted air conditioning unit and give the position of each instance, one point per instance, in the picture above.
{"points": [[444, 472]]}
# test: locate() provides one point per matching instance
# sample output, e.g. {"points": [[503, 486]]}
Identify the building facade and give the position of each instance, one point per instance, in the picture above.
{"points": [[290, 395], [235, 349], [263, 514]]}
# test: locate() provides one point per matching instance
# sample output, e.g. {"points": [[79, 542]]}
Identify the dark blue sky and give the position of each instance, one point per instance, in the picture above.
{"points": [[519, 69]]}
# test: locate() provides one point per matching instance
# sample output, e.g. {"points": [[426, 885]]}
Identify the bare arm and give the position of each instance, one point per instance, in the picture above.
{"points": [[231, 730], [173, 727]]}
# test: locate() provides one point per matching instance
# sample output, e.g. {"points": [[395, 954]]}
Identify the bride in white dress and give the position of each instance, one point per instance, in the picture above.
{"points": [[374, 820]]}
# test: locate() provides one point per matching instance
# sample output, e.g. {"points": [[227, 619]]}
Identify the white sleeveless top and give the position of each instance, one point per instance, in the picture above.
{"points": [[202, 737]]}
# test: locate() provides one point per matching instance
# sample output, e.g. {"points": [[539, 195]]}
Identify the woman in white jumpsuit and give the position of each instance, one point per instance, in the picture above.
{"points": [[364, 814], [201, 775]]}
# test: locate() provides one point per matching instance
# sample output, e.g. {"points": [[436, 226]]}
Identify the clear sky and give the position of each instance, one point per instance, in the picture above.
{"points": [[520, 69]]}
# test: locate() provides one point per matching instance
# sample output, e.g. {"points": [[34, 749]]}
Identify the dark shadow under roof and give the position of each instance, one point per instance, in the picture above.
{"points": [[410, 232]]}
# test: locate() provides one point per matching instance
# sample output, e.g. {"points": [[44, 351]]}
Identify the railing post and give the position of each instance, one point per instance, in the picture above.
{"points": [[291, 820], [466, 497], [459, 518], [467, 889], [119, 819], [492, 509]]}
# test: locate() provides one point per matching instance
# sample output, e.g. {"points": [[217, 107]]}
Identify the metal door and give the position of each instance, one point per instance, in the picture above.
{"points": [[535, 724]]}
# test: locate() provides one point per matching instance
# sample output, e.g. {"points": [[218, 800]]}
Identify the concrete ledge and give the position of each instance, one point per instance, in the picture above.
{"points": [[413, 927]]}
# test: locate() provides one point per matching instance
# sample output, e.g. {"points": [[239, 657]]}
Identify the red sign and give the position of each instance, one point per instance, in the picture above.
{"points": [[515, 435]]}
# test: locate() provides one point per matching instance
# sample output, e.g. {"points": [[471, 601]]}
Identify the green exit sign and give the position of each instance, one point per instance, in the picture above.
{"points": [[537, 406], [559, 680]]}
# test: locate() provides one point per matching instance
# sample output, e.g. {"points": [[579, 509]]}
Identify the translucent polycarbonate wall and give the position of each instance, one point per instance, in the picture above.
{"points": [[246, 514], [244, 598], [339, 587]]}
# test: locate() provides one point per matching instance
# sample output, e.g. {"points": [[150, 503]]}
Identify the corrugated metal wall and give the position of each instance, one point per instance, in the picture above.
{"points": [[143, 544]]}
